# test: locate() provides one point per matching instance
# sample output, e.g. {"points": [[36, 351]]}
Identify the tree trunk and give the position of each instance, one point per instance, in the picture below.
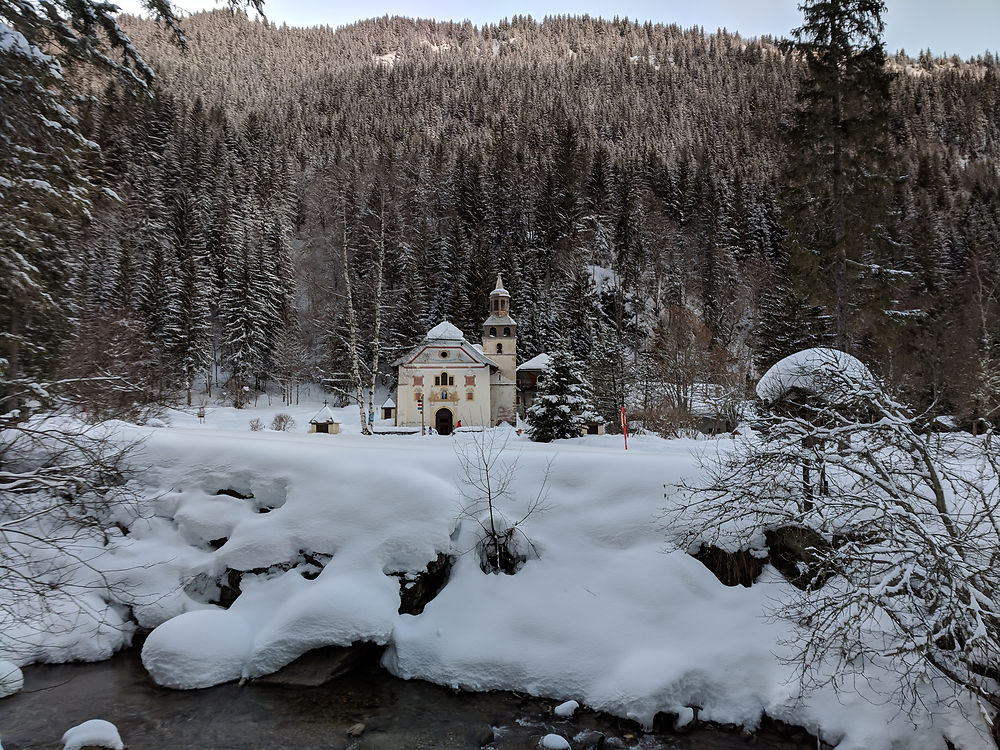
{"points": [[379, 266], [352, 326]]}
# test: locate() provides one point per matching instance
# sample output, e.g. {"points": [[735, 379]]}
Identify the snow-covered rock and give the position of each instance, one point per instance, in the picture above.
{"points": [[96, 733], [555, 742], [828, 373], [11, 679], [566, 710], [198, 649]]}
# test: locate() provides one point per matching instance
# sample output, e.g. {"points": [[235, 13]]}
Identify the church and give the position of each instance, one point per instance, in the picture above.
{"points": [[446, 381]]}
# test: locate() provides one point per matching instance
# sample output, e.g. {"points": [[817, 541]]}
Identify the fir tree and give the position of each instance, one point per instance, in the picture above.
{"points": [[562, 408], [838, 147]]}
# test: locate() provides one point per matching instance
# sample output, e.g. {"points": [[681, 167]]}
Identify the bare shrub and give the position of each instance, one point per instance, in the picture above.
{"points": [[282, 423], [256, 424], [487, 473]]}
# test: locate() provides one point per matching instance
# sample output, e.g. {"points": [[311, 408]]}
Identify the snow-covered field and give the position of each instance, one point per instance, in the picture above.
{"points": [[606, 615]]}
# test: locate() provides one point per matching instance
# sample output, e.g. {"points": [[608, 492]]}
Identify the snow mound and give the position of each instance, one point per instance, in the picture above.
{"points": [[96, 733], [198, 649], [554, 742], [445, 331], [827, 373], [567, 709], [11, 679]]}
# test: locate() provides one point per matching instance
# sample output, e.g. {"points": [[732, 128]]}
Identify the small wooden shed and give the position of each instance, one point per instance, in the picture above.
{"points": [[389, 409], [324, 421]]}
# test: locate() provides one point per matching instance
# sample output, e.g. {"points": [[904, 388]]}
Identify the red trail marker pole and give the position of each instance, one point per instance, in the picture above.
{"points": [[624, 428]]}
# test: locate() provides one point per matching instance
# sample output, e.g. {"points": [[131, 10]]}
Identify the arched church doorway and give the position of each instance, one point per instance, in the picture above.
{"points": [[443, 422]]}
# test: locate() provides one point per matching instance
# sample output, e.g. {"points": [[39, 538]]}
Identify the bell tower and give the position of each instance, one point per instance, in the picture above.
{"points": [[500, 333]]}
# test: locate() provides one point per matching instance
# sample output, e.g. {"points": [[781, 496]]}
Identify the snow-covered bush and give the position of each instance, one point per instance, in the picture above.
{"points": [[62, 498], [901, 577], [256, 424], [282, 422]]}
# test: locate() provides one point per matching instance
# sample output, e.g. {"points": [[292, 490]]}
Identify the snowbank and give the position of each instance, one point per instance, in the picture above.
{"points": [[606, 615]]}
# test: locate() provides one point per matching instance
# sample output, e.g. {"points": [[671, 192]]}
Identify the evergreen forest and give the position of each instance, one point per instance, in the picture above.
{"points": [[677, 205]]}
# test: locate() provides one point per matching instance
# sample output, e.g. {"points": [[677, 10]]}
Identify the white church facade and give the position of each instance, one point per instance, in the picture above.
{"points": [[456, 382]]}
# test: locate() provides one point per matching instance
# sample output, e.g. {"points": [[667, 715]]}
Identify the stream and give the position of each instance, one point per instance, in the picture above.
{"points": [[396, 714]]}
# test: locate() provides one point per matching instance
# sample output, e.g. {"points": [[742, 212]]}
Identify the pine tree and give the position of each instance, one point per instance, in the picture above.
{"points": [[838, 147], [562, 408]]}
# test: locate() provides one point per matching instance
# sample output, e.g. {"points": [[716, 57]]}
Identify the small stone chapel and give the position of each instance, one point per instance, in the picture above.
{"points": [[457, 381]]}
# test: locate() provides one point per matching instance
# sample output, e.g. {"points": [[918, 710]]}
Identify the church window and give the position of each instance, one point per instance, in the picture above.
{"points": [[493, 331], [444, 355], [499, 348], [437, 380], [506, 331], [444, 379]]}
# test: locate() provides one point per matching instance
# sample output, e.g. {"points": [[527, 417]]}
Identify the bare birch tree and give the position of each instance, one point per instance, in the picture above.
{"points": [[352, 323]]}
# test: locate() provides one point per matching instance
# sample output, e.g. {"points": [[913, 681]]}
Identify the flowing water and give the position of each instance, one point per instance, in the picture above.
{"points": [[397, 714]]}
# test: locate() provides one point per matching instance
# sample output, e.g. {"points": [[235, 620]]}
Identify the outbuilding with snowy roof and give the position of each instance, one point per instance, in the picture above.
{"points": [[389, 408], [324, 421], [530, 375], [446, 379]]}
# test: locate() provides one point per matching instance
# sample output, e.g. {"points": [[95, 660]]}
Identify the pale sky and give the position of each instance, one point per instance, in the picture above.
{"points": [[962, 27]]}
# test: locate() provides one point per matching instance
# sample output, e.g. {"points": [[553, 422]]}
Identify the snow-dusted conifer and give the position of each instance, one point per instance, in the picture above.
{"points": [[562, 408]]}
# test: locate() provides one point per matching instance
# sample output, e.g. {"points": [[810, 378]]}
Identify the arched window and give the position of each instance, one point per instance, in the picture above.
{"points": [[499, 348], [506, 331], [493, 331]]}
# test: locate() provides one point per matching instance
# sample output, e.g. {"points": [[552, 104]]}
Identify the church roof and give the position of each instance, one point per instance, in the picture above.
{"points": [[445, 331], [495, 320], [323, 416], [389, 403], [499, 291]]}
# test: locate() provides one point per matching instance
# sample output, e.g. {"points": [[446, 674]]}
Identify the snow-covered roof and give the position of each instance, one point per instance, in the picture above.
{"points": [[539, 362], [828, 373], [323, 416], [496, 320], [445, 331], [499, 291], [390, 403]]}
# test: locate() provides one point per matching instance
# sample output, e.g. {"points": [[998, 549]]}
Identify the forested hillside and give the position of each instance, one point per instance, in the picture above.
{"points": [[636, 184]]}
